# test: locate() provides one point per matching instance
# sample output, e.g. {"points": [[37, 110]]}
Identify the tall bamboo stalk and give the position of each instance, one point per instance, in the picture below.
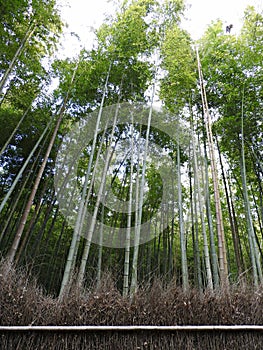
{"points": [[128, 232], [100, 194], [223, 268], [13, 249], [81, 211], [214, 258], [15, 130], [185, 278], [200, 206], [254, 253], [134, 275], [134, 279], [11, 189], [231, 216], [18, 52]]}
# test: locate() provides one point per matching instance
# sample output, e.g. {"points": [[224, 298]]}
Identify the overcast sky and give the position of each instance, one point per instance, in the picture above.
{"points": [[81, 15]]}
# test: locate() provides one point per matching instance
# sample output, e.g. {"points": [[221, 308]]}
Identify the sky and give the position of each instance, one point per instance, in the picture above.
{"points": [[83, 15]]}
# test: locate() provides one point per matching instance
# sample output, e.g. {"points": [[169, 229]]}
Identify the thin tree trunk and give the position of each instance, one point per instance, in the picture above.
{"points": [[236, 228], [13, 249], [200, 206], [23, 168], [72, 254], [181, 226], [254, 254], [134, 281], [231, 219], [33, 221], [21, 47], [214, 257], [128, 233], [223, 268], [135, 262], [14, 131], [100, 250], [198, 266], [258, 214], [13, 205], [91, 229]]}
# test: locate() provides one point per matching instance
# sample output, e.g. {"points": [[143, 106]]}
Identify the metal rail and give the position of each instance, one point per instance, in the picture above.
{"points": [[247, 328]]}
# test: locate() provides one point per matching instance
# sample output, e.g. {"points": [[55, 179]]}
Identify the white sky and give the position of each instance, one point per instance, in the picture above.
{"points": [[81, 15]]}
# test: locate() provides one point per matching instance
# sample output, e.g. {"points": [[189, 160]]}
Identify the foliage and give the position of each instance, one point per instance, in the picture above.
{"points": [[142, 45]]}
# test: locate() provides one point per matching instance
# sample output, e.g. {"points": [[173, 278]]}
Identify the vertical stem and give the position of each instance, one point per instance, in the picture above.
{"points": [[231, 218], [200, 206], [181, 226], [14, 131], [11, 189], [223, 268], [77, 228], [254, 254], [27, 36], [128, 234], [23, 220], [100, 250], [210, 224], [100, 194], [138, 226]]}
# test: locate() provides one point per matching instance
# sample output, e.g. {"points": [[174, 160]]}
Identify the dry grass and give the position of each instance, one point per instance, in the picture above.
{"points": [[22, 302]]}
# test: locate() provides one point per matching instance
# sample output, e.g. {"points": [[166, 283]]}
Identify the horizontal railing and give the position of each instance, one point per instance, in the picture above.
{"points": [[204, 328]]}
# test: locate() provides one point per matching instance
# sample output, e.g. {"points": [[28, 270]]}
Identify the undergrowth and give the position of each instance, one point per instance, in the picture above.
{"points": [[22, 302]]}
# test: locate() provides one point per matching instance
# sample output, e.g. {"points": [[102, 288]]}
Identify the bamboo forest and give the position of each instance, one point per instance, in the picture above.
{"points": [[131, 176]]}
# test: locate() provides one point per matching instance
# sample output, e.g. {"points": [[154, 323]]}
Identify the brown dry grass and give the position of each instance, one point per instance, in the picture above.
{"points": [[22, 302]]}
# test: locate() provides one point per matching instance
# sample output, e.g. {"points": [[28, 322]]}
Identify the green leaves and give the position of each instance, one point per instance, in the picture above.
{"points": [[128, 35], [179, 64], [29, 32]]}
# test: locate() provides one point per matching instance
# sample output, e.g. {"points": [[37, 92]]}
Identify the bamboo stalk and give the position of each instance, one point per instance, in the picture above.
{"points": [[181, 225], [129, 223], [223, 267], [202, 328], [18, 52]]}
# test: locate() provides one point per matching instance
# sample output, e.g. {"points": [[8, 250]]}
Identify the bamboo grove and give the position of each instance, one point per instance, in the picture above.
{"points": [[209, 232]]}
